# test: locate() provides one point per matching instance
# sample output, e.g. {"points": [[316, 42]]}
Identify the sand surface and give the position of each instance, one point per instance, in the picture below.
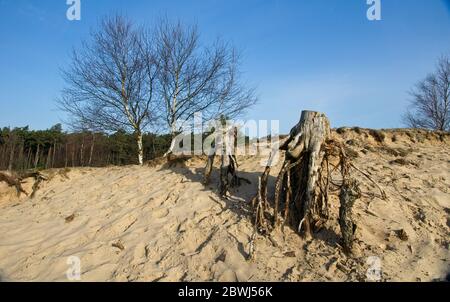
{"points": [[166, 226]]}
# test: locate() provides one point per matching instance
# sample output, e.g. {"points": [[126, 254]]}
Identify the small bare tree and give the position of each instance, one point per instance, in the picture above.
{"points": [[430, 106], [111, 81], [195, 78]]}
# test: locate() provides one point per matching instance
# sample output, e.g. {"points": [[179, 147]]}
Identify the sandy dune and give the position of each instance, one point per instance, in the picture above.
{"points": [[166, 226]]}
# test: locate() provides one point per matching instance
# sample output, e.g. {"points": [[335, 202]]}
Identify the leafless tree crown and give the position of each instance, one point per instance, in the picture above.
{"points": [[430, 105], [111, 81], [130, 78], [197, 79]]}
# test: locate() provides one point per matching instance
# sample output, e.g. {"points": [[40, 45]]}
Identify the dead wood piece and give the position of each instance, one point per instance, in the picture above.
{"points": [[350, 192], [118, 245], [290, 254], [70, 218], [208, 169], [383, 193], [251, 251], [225, 144], [402, 235], [207, 240], [13, 182], [225, 169], [16, 181], [36, 186], [260, 203], [38, 179], [222, 257]]}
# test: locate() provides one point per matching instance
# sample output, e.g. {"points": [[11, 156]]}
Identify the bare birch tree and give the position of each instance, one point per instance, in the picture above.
{"points": [[430, 105], [195, 78], [112, 79]]}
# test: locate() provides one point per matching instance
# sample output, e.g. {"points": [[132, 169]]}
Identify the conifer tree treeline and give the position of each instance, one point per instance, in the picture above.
{"points": [[24, 149]]}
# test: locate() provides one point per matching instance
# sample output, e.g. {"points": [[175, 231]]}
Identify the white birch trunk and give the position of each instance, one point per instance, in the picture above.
{"points": [[140, 149]]}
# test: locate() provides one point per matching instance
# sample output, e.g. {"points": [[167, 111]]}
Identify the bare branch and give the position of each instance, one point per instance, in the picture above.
{"points": [[430, 104], [110, 84]]}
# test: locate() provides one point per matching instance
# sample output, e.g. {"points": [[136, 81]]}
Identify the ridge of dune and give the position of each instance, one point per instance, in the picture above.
{"points": [[159, 223]]}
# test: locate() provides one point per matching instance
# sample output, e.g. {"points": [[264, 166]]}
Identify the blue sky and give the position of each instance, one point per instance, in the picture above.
{"points": [[302, 54]]}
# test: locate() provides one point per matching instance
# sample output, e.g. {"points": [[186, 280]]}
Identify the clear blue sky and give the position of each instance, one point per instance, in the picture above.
{"points": [[301, 54]]}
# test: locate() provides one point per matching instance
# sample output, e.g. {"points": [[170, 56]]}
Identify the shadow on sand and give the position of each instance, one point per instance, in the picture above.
{"points": [[240, 197], [239, 200]]}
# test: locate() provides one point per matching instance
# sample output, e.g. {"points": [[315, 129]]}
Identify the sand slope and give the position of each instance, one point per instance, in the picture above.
{"points": [[172, 228]]}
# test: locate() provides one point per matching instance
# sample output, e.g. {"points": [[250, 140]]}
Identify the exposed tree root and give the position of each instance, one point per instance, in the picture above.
{"points": [[13, 182], [38, 179], [16, 181]]}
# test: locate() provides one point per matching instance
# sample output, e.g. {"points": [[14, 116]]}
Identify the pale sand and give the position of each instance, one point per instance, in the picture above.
{"points": [[173, 228]]}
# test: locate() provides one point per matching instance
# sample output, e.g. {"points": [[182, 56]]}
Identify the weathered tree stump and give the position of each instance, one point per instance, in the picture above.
{"points": [[305, 148], [299, 184], [304, 182]]}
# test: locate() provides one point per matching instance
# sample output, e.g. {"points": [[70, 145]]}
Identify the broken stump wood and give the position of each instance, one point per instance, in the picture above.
{"points": [[225, 145], [299, 183], [302, 171], [305, 149]]}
